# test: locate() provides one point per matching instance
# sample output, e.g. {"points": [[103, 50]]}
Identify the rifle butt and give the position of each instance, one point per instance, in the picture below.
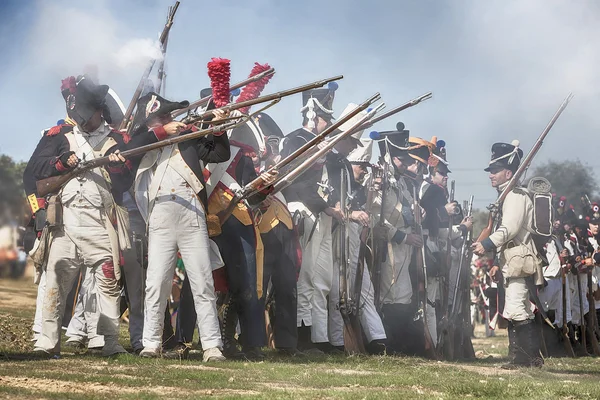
{"points": [[53, 184], [487, 231]]}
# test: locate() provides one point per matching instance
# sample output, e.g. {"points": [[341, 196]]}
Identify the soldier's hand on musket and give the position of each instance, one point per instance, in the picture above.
{"points": [[268, 177], [478, 248], [69, 159], [361, 217], [334, 213], [173, 128], [467, 222], [219, 116], [414, 240], [116, 158], [452, 208], [495, 273]]}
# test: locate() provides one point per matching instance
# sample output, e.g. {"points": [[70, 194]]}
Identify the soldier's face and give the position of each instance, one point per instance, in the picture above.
{"points": [[93, 123], [498, 177], [360, 170], [440, 179], [321, 125], [399, 165]]}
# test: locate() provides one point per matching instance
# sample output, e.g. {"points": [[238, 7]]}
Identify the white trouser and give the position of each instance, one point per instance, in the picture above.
{"points": [[433, 285], [80, 327], [39, 304], [396, 286], [517, 306], [179, 224], [134, 281], [316, 273], [369, 318], [83, 242], [575, 313]]}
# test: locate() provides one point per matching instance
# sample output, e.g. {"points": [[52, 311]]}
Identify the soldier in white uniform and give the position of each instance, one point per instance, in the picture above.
{"points": [[87, 236], [306, 198], [370, 319], [517, 256], [170, 195], [396, 285]]}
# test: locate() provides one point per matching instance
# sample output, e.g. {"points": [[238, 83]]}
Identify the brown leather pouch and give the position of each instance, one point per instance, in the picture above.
{"points": [[54, 211], [213, 224]]}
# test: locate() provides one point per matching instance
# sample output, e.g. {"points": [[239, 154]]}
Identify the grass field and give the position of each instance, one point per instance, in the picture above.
{"points": [[126, 376]]}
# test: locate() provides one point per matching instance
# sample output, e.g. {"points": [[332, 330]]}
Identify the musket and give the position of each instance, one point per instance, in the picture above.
{"points": [[258, 184], [292, 175], [493, 208], [582, 324], [592, 322], [422, 274], [565, 329], [195, 118], [445, 338], [161, 66], [462, 326], [396, 110], [205, 100], [464, 256], [379, 249], [54, 183], [140, 87], [353, 340]]}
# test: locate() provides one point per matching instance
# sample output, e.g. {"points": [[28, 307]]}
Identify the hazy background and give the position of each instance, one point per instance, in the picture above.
{"points": [[498, 69]]}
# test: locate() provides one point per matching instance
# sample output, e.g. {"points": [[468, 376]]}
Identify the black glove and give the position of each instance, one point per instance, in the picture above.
{"points": [[65, 158]]}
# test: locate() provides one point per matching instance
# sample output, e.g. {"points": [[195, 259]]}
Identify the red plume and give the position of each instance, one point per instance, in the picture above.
{"points": [[253, 90], [219, 74], [69, 83]]}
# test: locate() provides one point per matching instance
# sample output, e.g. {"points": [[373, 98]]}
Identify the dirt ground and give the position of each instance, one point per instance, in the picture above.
{"points": [[90, 376]]}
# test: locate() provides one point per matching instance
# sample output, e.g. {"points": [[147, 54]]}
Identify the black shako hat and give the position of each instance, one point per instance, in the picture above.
{"points": [[395, 142], [84, 98], [318, 103], [505, 156], [153, 105]]}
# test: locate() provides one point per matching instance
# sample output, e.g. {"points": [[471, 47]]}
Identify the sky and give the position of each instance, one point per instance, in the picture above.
{"points": [[498, 69]]}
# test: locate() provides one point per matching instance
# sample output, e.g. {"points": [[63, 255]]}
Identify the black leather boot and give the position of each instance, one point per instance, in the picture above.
{"points": [[229, 325]]}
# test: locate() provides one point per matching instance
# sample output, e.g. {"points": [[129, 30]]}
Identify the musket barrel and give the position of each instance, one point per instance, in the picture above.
{"points": [[296, 172], [532, 153], [52, 184], [396, 110], [263, 99]]}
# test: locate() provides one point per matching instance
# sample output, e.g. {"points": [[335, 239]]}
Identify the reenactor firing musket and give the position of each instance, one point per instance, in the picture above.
{"points": [[257, 184], [494, 208], [53, 184]]}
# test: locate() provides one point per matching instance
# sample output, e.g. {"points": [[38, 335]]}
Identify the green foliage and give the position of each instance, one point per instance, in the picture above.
{"points": [[569, 178], [480, 220], [12, 195]]}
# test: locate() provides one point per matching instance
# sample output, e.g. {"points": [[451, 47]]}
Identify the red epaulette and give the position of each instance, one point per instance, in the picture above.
{"points": [[55, 130], [124, 134]]}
